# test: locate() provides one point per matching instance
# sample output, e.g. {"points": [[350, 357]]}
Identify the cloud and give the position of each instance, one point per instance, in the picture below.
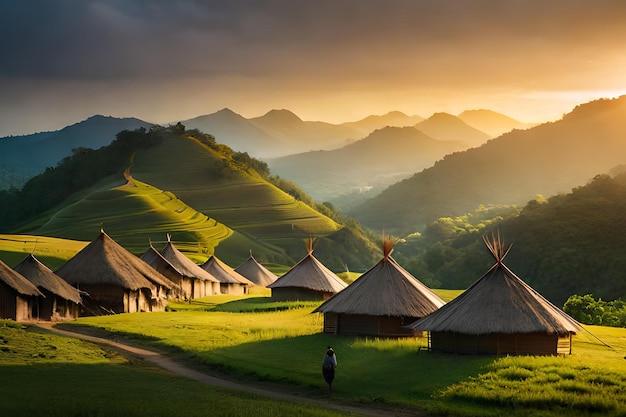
{"points": [[357, 48]]}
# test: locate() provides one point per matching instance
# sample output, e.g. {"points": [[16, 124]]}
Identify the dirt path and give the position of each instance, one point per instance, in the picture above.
{"points": [[179, 369]]}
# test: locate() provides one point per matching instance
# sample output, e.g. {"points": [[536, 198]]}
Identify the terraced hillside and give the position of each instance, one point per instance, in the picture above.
{"points": [[209, 182], [209, 198], [136, 213]]}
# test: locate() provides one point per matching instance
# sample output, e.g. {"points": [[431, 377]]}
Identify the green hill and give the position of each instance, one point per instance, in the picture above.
{"points": [[201, 192], [134, 214], [568, 244], [511, 169]]}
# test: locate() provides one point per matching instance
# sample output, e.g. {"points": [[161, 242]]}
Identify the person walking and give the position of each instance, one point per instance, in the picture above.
{"points": [[328, 367]]}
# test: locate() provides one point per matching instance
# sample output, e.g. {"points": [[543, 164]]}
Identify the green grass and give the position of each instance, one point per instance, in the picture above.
{"points": [[53, 252], [48, 375], [258, 340], [245, 203], [135, 215]]}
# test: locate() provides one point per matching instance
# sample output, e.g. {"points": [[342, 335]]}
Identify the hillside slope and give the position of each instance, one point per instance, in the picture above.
{"points": [[446, 127], [384, 157], [135, 213], [491, 122], [211, 183], [22, 157], [512, 169]]}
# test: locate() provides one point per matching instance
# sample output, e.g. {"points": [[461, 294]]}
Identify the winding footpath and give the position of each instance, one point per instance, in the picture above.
{"points": [[179, 369]]}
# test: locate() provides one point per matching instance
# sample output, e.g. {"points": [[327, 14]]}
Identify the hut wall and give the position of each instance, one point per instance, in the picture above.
{"points": [[366, 325], [47, 305], [104, 299], [299, 294], [197, 290], [8, 302], [15, 306], [392, 326], [24, 306], [331, 323], [494, 344], [182, 288], [233, 289], [64, 310], [146, 303]]}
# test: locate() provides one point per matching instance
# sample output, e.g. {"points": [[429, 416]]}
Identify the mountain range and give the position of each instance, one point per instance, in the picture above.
{"points": [[364, 168], [513, 168], [277, 133], [22, 157]]}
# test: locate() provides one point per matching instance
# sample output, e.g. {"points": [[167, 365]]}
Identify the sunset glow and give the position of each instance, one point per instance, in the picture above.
{"points": [[336, 62]]}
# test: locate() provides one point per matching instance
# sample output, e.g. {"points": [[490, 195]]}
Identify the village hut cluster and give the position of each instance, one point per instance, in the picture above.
{"points": [[105, 278], [498, 314]]}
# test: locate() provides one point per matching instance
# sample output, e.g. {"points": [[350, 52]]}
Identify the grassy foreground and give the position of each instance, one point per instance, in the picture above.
{"points": [[279, 344], [43, 374]]}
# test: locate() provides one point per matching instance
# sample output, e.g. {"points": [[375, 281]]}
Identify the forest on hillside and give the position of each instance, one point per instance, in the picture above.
{"points": [[563, 245], [44, 194]]}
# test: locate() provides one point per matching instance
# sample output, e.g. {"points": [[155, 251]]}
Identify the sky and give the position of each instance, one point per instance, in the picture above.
{"points": [[164, 60]]}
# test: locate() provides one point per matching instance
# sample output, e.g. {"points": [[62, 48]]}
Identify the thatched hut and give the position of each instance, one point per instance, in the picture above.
{"points": [[115, 280], [380, 302], [256, 272], [201, 282], [309, 279], [231, 282], [61, 302], [183, 285], [18, 296], [499, 314]]}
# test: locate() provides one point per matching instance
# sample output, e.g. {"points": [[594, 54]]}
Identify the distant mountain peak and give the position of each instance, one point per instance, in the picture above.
{"points": [[442, 116], [282, 116]]}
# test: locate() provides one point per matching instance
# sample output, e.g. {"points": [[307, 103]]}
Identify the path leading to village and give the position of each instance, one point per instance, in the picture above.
{"points": [[170, 365]]}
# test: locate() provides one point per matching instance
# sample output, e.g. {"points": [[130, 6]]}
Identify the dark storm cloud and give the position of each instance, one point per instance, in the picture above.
{"points": [[130, 39]]}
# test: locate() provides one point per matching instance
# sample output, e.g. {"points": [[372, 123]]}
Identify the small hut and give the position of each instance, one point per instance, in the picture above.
{"points": [[231, 282], [201, 283], [115, 280], [309, 279], [183, 285], [256, 272], [18, 296], [62, 301], [380, 302], [499, 314]]}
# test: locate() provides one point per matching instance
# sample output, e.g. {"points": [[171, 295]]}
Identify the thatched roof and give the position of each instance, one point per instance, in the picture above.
{"points": [[17, 281], [256, 272], [311, 274], [185, 265], [499, 302], [224, 273], [42, 277], [103, 261], [386, 289]]}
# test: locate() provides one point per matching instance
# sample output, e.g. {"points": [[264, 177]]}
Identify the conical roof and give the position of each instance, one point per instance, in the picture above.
{"points": [[103, 261], [223, 272], [42, 277], [185, 265], [499, 302], [17, 281], [386, 289], [256, 272], [311, 274]]}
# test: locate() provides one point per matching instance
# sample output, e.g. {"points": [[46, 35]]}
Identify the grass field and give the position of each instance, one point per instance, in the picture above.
{"points": [[257, 340], [53, 252], [47, 375], [135, 214]]}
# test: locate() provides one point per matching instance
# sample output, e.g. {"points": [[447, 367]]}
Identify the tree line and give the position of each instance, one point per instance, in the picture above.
{"points": [[568, 244]]}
